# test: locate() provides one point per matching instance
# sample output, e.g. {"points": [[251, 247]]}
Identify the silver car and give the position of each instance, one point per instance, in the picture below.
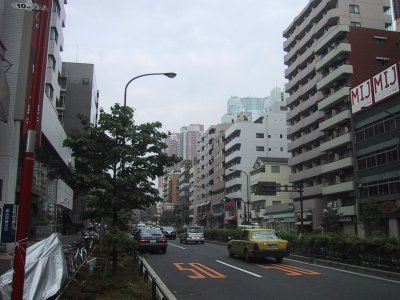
{"points": [[192, 234]]}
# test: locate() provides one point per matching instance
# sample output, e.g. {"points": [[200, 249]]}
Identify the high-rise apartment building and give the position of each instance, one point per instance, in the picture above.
{"points": [[253, 107], [78, 95], [190, 136], [15, 52], [173, 144], [325, 54]]}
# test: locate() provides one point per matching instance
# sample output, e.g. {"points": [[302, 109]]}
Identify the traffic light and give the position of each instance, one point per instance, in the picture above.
{"points": [[225, 200]]}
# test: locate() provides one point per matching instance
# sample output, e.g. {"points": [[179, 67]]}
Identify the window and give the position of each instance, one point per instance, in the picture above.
{"points": [[54, 34], [382, 61], [269, 136], [380, 40], [51, 62], [56, 7], [259, 148], [354, 9], [281, 135], [85, 81], [49, 91], [387, 10], [259, 135], [355, 24], [275, 169], [281, 148]]}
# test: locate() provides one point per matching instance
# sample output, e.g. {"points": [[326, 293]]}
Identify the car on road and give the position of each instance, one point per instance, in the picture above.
{"points": [[192, 234], [169, 232], [259, 243], [150, 239]]}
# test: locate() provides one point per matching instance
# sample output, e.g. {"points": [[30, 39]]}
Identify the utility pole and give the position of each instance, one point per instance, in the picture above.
{"points": [[39, 45]]}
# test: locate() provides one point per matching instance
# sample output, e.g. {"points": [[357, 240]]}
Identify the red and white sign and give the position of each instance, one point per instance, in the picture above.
{"points": [[361, 96], [386, 83], [382, 86]]}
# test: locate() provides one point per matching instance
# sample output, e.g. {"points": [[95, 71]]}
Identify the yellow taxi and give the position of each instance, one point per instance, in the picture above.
{"points": [[259, 243]]}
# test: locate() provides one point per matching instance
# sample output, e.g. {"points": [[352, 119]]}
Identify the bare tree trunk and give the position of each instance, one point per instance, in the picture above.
{"points": [[114, 252]]}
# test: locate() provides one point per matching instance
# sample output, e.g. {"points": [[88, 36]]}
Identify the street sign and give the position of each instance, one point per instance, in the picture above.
{"points": [[28, 6]]}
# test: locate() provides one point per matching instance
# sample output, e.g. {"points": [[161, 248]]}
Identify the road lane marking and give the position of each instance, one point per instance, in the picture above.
{"points": [[234, 267], [196, 275], [198, 269], [210, 272], [176, 246], [344, 271], [290, 270]]}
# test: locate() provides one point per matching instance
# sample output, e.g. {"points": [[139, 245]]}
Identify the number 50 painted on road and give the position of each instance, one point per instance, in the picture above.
{"points": [[198, 269]]}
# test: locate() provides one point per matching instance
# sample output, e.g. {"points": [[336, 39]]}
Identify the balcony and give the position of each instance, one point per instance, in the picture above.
{"points": [[235, 155], [302, 175], [342, 71], [337, 165], [334, 98], [305, 139], [336, 142], [303, 157], [331, 36], [332, 55], [330, 17], [335, 119], [304, 23], [312, 118], [233, 182], [338, 187]]}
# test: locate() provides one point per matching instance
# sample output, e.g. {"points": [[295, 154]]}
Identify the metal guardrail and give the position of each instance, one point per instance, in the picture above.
{"points": [[158, 289]]}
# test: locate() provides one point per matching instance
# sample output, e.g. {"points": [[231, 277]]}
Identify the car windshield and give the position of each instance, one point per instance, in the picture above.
{"points": [[150, 232], [169, 228], [264, 235], [195, 230]]}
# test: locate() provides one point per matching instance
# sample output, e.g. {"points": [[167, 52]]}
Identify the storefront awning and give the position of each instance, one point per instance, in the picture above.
{"points": [[230, 218], [271, 216], [304, 223]]}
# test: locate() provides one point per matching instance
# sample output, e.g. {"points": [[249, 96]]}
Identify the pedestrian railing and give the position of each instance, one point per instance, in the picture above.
{"points": [[158, 289]]}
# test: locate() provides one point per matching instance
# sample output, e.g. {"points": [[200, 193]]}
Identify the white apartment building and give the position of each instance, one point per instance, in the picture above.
{"points": [[15, 41], [244, 143], [323, 60]]}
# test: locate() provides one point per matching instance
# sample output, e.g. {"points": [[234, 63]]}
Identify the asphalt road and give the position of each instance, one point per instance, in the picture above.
{"points": [[196, 271]]}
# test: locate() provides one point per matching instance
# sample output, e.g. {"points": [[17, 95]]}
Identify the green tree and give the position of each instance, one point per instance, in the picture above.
{"points": [[116, 163], [330, 220]]}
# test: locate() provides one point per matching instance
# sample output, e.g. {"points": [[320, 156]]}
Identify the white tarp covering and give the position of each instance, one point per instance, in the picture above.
{"points": [[45, 271]]}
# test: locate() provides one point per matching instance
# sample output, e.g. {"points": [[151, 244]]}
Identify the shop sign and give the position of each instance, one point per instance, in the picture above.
{"points": [[9, 223], [388, 207]]}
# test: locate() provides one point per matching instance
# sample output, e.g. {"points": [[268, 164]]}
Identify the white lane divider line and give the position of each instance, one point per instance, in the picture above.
{"points": [[170, 244], [245, 271]]}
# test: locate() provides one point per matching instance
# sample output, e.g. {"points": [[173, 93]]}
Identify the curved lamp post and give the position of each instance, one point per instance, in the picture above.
{"points": [[246, 213], [168, 74]]}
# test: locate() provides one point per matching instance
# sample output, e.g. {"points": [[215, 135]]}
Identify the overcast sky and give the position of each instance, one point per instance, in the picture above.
{"points": [[218, 48]]}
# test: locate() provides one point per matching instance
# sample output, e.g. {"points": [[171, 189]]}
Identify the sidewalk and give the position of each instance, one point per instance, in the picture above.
{"points": [[6, 259]]}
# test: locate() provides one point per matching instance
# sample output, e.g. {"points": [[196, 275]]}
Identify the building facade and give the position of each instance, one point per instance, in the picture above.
{"points": [[377, 151], [78, 95], [15, 41], [325, 52]]}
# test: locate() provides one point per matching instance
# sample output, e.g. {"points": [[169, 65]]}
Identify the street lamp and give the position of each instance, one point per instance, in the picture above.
{"points": [[168, 74], [246, 214]]}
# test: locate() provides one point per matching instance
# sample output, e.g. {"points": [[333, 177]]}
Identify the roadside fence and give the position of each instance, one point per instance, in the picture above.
{"points": [[158, 289]]}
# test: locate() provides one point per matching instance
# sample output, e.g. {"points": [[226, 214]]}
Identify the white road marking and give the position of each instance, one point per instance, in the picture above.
{"points": [[248, 272], [344, 271], [176, 246]]}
